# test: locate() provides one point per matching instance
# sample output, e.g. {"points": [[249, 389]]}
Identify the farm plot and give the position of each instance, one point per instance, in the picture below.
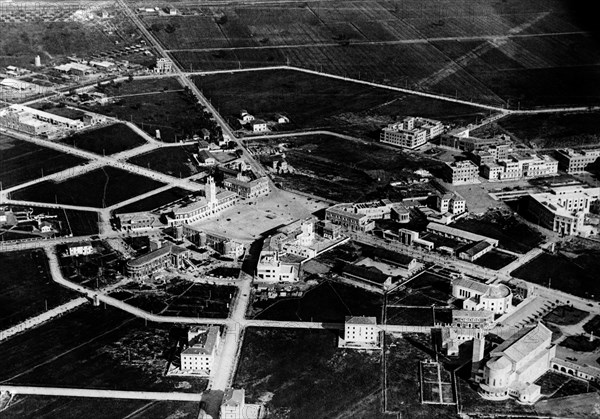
{"points": [[174, 161], [426, 289], [436, 384], [139, 86], [21, 161], [155, 202], [106, 140], [179, 32], [99, 188]]}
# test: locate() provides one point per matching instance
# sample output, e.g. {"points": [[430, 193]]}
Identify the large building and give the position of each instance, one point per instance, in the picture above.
{"points": [[496, 298], [251, 189], [516, 364], [221, 244], [213, 203], [360, 216], [462, 141], [360, 332], [458, 234], [136, 221], [270, 267], [461, 172], [520, 165], [198, 358], [163, 65], [564, 209], [451, 202], [79, 249], [411, 132], [165, 257], [35, 122], [576, 161]]}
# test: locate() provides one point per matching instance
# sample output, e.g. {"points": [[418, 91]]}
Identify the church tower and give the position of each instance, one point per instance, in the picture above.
{"points": [[210, 190]]}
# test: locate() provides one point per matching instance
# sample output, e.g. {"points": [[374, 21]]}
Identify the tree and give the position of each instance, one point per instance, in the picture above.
{"points": [[130, 78]]}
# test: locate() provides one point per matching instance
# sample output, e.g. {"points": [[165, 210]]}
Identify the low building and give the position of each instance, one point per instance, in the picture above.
{"points": [[458, 234], [359, 216], [270, 267], [246, 117], [474, 251], [79, 249], [136, 221], [168, 256], [461, 140], [411, 132], [496, 298], [370, 276], [34, 121], [206, 158], [461, 172], [328, 230], [576, 161], [198, 358], [77, 69], [247, 189], [258, 125], [411, 238], [472, 319], [360, 332], [234, 406], [163, 65]]}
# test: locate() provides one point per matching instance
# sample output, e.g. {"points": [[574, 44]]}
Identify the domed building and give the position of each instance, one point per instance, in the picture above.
{"points": [[496, 298]]}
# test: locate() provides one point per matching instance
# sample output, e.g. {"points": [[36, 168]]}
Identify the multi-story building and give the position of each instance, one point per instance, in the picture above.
{"points": [[270, 267], [165, 257], [451, 202], [576, 161], [360, 332], [360, 216], [251, 189], [224, 245], [198, 358], [563, 209], [461, 172], [163, 65], [135, 221], [462, 141], [518, 165], [411, 132], [496, 298], [34, 121], [258, 125], [79, 249]]}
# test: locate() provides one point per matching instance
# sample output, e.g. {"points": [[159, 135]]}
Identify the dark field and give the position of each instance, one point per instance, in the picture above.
{"points": [[155, 201], [138, 86], [94, 348], [411, 316], [495, 259], [580, 343], [327, 302], [426, 289], [307, 374], [565, 315], [593, 326], [21, 161], [174, 161], [99, 188], [107, 140], [27, 287]]}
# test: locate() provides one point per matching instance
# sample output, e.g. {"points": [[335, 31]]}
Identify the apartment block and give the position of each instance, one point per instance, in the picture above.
{"points": [[411, 132], [576, 161], [461, 173]]}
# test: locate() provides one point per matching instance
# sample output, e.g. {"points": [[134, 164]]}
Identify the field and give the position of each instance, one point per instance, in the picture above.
{"points": [[307, 375], [78, 223], [92, 271], [174, 161], [426, 289], [107, 140], [593, 326], [155, 201], [22, 161], [99, 188], [327, 302], [95, 348], [565, 315], [495, 259], [580, 343], [317, 102], [27, 287], [140, 86]]}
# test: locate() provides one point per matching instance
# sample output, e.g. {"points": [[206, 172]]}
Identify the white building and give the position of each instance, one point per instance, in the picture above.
{"points": [[359, 216], [520, 165], [198, 357], [79, 249], [258, 125], [452, 203], [234, 406], [496, 298], [360, 332], [163, 65], [411, 132], [461, 172]]}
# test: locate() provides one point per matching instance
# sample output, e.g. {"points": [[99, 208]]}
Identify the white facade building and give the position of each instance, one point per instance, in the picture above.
{"points": [[360, 332], [411, 132], [79, 249], [198, 357], [496, 298]]}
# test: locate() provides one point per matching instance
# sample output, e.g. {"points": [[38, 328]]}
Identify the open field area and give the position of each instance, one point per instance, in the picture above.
{"points": [[317, 102], [426, 289], [74, 408], [581, 343], [27, 287], [307, 375], [495, 259], [140, 86], [155, 201], [22, 161], [78, 223], [106, 140], [327, 302], [565, 315], [94, 347], [174, 161], [99, 188]]}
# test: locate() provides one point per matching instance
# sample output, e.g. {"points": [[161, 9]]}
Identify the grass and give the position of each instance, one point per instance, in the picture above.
{"points": [[27, 287], [106, 140], [593, 326], [580, 343], [565, 315], [22, 161], [139, 86], [95, 348], [426, 289], [327, 302], [99, 188], [155, 201], [495, 260], [306, 374], [174, 161], [96, 270]]}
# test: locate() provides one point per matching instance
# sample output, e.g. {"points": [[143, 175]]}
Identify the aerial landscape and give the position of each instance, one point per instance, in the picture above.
{"points": [[250, 209]]}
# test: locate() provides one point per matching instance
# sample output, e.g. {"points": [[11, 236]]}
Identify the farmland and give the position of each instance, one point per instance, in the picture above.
{"points": [[107, 140], [78, 223], [155, 201], [27, 287], [140, 86], [22, 161], [99, 188], [426, 289], [174, 161]]}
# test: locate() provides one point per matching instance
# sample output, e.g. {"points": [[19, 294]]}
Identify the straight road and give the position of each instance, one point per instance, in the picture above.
{"points": [[102, 394]]}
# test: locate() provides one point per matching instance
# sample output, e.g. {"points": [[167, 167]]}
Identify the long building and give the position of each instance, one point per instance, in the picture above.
{"points": [[476, 296], [34, 121], [461, 172], [520, 165], [251, 189], [360, 216], [462, 141], [576, 161], [165, 257], [458, 234], [411, 132], [198, 358]]}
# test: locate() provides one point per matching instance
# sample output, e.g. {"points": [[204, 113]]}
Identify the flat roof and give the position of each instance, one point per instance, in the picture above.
{"points": [[361, 320]]}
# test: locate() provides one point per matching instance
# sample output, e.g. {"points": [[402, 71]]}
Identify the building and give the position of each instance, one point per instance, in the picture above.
{"points": [[461, 172], [461, 140], [246, 117], [576, 161], [458, 234], [247, 190], [198, 358], [564, 209], [520, 165], [221, 244], [411, 132], [360, 332], [474, 251], [368, 276], [168, 256], [328, 230], [76, 69], [496, 298], [104, 65], [516, 364], [79, 249], [34, 121], [451, 202], [258, 125], [360, 216], [270, 267], [234, 406], [136, 221], [472, 319], [163, 65], [206, 158], [212, 203]]}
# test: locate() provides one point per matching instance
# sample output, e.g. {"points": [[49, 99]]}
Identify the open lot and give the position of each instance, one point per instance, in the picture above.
{"points": [[426, 289], [140, 86], [580, 343], [495, 259], [94, 347], [155, 201], [106, 140], [565, 315], [28, 289], [305, 375], [23, 161], [99, 188], [174, 161], [97, 270]]}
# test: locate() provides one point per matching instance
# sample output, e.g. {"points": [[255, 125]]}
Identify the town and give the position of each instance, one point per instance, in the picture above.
{"points": [[215, 242]]}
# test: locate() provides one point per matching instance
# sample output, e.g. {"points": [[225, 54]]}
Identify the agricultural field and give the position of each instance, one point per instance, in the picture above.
{"points": [[304, 375], [140, 87], [174, 161], [96, 347], [22, 161], [327, 302], [106, 140], [426, 289], [97, 270], [77, 223], [155, 201], [495, 259], [565, 315], [99, 188], [28, 289]]}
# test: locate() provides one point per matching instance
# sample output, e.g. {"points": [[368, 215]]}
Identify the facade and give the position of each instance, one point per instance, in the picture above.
{"points": [[472, 319], [452, 203], [411, 238], [411, 132], [234, 406], [198, 357], [165, 257], [270, 268], [360, 332], [462, 141], [221, 244], [328, 230], [77, 69], [458, 234], [258, 125], [136, 221], [79, 249], [576, 161], [163, 65], [248, 190], [515, 364], [360, 216], [35, 122], [564, 209], [496, 298], [517, 166], [474, 251], [461, 172]]}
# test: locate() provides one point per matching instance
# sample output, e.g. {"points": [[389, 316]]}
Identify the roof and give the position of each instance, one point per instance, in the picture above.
{"points": [[204, 155], [369, 273], [392, 257], [483, 314], [204, 343], [165, 250], [80, 244], [524, 343], [361, 320], [475, 248], [470, 284], [16, 84], [467, 235], [233, 397]]}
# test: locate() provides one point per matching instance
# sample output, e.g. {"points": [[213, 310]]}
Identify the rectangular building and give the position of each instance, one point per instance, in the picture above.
{"points": [[576, 161], [159, 259], [198, 358], [461, 172], [252, 189], [411, 132]]}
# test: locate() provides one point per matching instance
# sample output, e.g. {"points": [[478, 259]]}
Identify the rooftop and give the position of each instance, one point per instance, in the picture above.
{"points": [[360, 320], [205, 342]]}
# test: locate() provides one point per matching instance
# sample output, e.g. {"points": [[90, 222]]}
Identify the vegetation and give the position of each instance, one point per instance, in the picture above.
{"points": [[155, 201], [174, 161], [565, 315], [106, 140]]}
